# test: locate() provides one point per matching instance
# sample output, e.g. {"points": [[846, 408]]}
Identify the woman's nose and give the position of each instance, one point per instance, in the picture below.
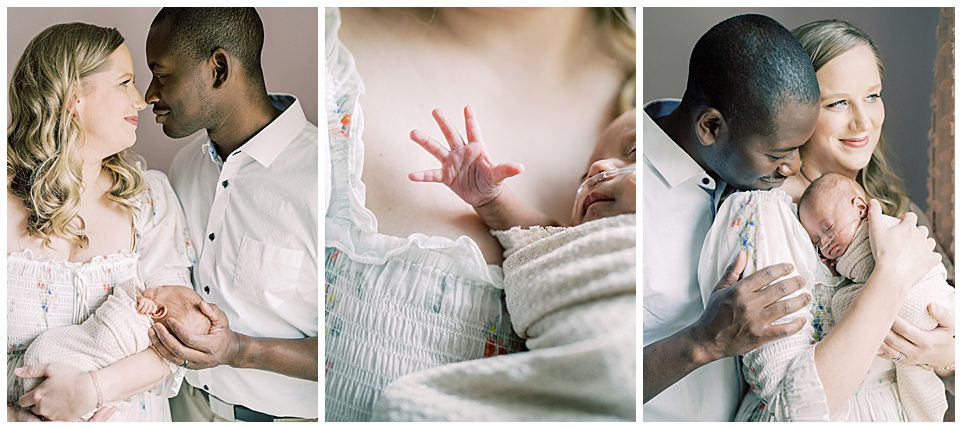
{"points": [[139, 102], [860, 120]]}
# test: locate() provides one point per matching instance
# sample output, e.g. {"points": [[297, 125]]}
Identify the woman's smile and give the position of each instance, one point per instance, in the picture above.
{"points": [[857, 143]]}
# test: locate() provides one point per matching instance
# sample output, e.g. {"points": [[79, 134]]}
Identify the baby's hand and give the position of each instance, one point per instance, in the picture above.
{"points": [[465, 168], [145, 305]]}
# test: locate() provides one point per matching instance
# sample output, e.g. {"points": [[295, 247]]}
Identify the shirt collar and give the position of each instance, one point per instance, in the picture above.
{"points": [[669, 160], [267, 144]]}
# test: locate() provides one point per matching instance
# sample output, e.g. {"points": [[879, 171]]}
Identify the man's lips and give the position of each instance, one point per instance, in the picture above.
{"points": [[855, 142], [592, 198], [131, 119], [160, 115]]}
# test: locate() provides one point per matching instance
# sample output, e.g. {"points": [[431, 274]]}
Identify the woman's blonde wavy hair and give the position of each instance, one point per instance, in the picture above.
{"points": [[44, 166], [825, 40], [618, 29]]}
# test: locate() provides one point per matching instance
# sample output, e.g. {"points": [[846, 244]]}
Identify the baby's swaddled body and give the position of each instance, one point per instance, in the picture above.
{"points": [[921, 391], [116, 330]]}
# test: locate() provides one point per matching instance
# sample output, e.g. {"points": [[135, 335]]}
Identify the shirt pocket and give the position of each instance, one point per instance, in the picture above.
{"points": [[267, 274]]}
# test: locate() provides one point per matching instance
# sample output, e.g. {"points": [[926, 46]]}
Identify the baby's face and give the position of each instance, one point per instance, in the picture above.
{"points": [[614, 195], [181, 303], [831, 219]]}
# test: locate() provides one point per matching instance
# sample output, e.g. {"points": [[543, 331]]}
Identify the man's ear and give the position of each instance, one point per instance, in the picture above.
{"points": [[221, 67], [861, 205], [709, 125]]}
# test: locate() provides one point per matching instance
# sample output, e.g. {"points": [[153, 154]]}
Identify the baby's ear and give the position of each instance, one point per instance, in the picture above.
{"points": [[861, 205]]}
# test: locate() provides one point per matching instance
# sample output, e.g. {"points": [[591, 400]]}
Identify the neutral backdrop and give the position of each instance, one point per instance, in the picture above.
{"points": [[289, 58], [905, 37]]}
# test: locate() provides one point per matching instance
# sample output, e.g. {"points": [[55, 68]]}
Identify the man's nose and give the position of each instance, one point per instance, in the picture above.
{"points": [[790, 167], [151, 95]]}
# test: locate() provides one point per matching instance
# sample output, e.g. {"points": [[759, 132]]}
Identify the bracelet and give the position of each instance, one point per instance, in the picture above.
{"points": [[932, 368], [100, 396]]}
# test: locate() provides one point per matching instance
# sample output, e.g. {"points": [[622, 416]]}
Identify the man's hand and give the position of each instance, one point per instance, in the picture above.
{"points": [[220, 346], [465, 166], [740, 313]]}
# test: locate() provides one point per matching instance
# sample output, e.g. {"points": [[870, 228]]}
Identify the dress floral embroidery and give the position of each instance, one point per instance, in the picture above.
{"points": [[44, 293]]}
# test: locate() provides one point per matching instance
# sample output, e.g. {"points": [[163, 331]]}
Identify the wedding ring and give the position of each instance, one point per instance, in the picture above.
{"points": [[899, 357], [185, 363]]}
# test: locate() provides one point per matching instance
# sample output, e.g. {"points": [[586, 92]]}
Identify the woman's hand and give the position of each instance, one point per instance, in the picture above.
{"points": [[935, 348], [66, 394], [465, 166], [17, 414], [903, 253]]}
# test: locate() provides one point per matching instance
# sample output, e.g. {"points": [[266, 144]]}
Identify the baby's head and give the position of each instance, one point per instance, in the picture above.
{"points": [[177, 302], [831, 210], [608, 187]]}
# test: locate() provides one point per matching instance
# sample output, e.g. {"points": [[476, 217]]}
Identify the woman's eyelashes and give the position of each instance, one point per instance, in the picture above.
{"points": [[837, 105]]}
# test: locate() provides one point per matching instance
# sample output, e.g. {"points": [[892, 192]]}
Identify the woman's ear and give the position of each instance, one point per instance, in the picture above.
{"points": [[861, 205], [709, 124], [74, 105]]}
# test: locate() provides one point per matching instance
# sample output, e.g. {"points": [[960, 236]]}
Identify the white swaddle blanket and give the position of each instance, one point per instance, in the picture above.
{"points": [[571, 293], [921, 391], [113, 332]]}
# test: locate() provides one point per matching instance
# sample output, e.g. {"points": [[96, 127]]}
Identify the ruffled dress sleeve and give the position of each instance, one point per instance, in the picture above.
{"points": [[166, 254], [782, 373], [162, 241]]}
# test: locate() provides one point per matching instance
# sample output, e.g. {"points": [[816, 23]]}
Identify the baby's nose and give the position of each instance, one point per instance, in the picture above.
{"points": [[601, 165]]}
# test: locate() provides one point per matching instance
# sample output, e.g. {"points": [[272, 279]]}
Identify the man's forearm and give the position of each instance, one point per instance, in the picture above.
{"points": [[508, 210], [670, 359], [293, 358]]}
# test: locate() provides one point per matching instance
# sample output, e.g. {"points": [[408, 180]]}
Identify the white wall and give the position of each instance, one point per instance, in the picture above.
{"points": [[906, 41], [289, 58]]}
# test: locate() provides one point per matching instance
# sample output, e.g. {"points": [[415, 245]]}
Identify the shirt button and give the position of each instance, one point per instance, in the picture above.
{"points": [[206, 289], [211, 236], [205, 387], [224, 183], [705, 181]]}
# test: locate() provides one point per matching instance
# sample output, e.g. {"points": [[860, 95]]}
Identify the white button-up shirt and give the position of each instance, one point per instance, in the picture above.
{"points": [[253, 221], [679, 205]]}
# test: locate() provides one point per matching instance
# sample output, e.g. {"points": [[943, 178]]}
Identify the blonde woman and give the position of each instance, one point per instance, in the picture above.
{"points": [[847, 140], [412, 275], [82, 217]]}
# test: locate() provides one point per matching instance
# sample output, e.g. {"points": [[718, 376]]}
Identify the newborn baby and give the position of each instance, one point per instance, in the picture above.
{"points": [[117, 329], [832, 210], [570, 291]]}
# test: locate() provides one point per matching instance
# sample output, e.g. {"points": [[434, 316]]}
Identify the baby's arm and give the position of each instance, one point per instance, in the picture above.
{"points": [[467, 170]]}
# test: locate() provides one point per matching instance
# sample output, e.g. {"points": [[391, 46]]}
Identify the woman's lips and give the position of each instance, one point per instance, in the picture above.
{"points": [[131, 119], [856, 142]]}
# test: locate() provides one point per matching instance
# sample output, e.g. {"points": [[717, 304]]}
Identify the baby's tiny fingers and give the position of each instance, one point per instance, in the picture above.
{"points": [[432, 146], [434, 176]]}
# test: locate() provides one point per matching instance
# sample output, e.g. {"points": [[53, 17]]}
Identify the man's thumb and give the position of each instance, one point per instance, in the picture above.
{"points": [[733, 272]]}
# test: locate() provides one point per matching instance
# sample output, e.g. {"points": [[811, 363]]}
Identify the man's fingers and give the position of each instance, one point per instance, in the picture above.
{"points": [[178, 350], [942, 315], [785, 329], [766, 276], [471, 124], [183, 334], [432, 146], [447, 128], [733, 272], [770, 295], [432, 176], [159, 346], [783, 308]]}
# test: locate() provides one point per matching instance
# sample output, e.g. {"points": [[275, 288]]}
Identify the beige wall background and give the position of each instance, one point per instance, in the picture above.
{"points": [[289, 58], [906, 38]]}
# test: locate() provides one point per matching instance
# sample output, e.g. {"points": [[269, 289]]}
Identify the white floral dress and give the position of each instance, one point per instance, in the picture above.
{"points": [[781, 375], [44, 293]]}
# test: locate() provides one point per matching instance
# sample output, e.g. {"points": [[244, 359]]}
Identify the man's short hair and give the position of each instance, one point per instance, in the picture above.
{"points": [[749, 67], [195, 32]]}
